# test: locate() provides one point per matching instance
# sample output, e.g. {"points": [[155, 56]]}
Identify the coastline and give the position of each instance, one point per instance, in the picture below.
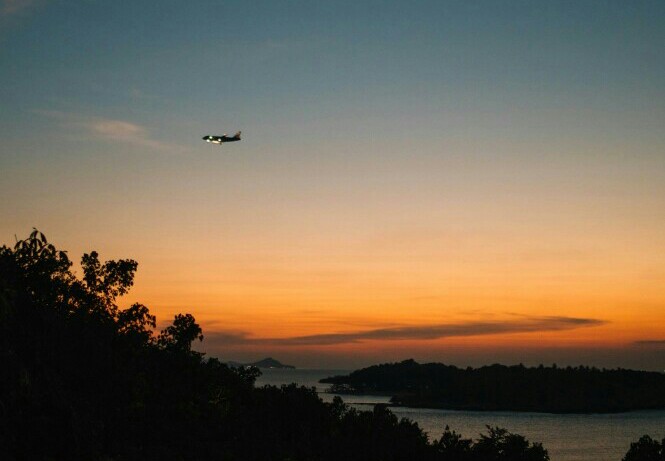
{"points": [[477, 408]]}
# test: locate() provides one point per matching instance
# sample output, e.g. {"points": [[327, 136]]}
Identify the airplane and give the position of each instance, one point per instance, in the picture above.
{"points": [[222, 139]]}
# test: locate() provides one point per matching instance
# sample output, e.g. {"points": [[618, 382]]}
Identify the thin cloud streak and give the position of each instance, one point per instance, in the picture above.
{"points": [[11, 7], [650, 342], [108, 129], [401, 333]]}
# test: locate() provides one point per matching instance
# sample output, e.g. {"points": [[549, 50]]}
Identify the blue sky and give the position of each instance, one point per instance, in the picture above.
{"points": [[303, 66]]}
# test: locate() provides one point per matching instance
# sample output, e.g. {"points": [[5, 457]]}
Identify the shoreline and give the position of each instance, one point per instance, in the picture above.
{"points": [[481, 409]]}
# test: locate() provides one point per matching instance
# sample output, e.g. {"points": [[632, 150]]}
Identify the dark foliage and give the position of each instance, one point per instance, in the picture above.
{"points": [[497, 445], [83, 379], [545, 389], [646, 449]]}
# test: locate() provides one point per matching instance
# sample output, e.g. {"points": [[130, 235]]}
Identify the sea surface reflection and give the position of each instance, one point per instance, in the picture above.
{"points": [[592, 437]]}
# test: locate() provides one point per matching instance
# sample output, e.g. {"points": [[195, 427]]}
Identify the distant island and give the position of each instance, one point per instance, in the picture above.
{"points": [[265, 363], [507, 388]]}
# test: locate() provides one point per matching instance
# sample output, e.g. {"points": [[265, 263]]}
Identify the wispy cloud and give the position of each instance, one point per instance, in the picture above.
{"points": [[651, 342], [420, 332], [227, 338], [107, 129], [11, 7], [122, 131]]}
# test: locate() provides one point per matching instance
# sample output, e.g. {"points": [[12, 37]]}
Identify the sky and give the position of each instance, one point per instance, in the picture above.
{"points": [[461, 182]]}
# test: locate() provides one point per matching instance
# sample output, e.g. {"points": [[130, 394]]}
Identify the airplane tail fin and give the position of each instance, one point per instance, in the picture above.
{"points": [[237, 135]]}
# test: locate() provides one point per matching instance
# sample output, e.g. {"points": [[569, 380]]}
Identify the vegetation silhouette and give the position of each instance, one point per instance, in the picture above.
{"points": [[84, 379], [541, 389], [646, 449]]}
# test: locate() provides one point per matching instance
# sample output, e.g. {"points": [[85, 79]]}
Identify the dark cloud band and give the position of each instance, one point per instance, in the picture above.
{"points": [[651, 342], [421, 332]]}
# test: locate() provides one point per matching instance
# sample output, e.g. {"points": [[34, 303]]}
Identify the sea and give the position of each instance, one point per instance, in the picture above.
{"points": [[579, 437]]}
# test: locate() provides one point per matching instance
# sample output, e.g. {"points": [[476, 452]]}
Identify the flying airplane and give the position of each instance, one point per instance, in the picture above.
{"points": [[222, 139]]}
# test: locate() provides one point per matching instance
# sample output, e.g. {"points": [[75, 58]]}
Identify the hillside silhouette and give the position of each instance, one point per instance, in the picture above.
{"points": [[84, 379], [508, 388]]}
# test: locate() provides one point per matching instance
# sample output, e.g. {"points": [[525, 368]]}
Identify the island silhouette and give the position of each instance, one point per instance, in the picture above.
{"points": [[497, 387]]}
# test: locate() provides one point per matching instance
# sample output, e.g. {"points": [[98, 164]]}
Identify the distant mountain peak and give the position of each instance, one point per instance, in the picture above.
{"points": [[268, 362]]}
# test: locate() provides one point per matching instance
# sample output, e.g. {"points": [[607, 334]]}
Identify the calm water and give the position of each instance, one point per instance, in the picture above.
{"points": [[566, 437]]}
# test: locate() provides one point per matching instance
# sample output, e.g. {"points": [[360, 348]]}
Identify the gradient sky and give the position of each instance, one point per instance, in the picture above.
{"points": [[466, 182]]}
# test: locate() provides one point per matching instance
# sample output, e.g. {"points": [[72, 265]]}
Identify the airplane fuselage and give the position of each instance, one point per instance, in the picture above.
{"points": [[221, 139]]}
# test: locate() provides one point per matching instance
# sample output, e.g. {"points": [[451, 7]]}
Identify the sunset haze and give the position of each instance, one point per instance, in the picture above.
{"points": [[460, 182]]}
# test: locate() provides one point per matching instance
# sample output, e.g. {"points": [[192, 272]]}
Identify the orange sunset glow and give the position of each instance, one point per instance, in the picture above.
{"points": [[486, 187]]}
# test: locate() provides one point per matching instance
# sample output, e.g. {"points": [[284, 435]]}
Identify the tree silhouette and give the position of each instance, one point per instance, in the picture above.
{"points": [[180, 335], [83, 378], [646, 449]]}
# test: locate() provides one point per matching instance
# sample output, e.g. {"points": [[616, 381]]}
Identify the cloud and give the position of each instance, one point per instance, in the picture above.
{"points": [[11, 7], [117, 129], [227, 338], [421, 332], [650, 342], [107, 129]]}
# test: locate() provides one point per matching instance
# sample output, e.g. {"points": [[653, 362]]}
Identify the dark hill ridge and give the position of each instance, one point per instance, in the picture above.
{"points": [[265, 363], [508, 388]]}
